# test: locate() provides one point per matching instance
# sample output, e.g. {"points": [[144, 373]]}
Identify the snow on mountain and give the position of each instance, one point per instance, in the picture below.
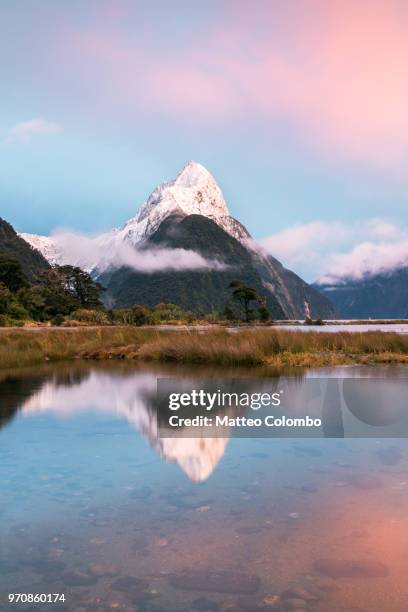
{"points": [[194, 191], [47, 247]]}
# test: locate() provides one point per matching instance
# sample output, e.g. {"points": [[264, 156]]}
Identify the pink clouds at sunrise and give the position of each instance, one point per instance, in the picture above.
{"points": [[336, 72]]}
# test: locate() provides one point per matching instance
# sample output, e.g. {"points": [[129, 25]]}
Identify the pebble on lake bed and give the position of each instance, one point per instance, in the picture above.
{"points": [[213, 581], [103, 569], [271, 600], [97, 541], [74, 578], [162, 542]]}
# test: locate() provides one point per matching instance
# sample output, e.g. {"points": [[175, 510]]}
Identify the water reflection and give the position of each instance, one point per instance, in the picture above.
{"points": [[130, 396], [345, 406], [89, 509]]}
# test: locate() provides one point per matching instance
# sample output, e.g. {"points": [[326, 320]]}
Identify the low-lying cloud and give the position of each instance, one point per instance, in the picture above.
{"points": [[336, 251], [106, 251], [366, 259]]}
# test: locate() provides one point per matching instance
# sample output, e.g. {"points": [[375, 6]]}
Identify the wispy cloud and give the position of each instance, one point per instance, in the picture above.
{"points": [[103, 251], [366, 259], [26, 130], [332, 251]]}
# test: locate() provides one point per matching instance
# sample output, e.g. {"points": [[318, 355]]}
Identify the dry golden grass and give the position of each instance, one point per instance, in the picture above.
{"points": [[250, 347], [274, 347], [22, 347]]}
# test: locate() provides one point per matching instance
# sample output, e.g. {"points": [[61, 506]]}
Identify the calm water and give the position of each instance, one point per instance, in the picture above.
{"points": [[93, 505], [398, 328]]}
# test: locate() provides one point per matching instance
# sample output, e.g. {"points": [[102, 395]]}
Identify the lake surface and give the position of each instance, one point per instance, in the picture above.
{"points": [[397, 328], [95, 506]]}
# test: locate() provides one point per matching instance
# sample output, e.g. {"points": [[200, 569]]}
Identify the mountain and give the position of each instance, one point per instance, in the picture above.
{"points": [[32, 261], [207, 290], [378, 296], [199, 290], [194, 191], [189, 214]]}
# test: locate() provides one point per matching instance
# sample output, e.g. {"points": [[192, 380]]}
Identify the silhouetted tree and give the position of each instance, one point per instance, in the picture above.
{"points": [[245, 296]]}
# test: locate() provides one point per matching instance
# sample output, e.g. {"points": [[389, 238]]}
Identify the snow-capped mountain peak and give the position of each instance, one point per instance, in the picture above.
{"points": [[193, 175], [193, 191]]}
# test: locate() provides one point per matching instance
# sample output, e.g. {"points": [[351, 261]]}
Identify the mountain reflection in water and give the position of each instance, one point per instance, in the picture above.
{"points": [[89, 509], [131, 395], [128, 396]]}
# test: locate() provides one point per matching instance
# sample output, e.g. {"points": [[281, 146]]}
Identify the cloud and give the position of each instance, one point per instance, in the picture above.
{"points": [[332, 251], [104, 251], [28, 129], [336, 75], [304, 242], [366, 259]]}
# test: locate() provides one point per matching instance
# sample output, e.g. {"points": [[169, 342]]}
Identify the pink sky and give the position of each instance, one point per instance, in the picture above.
{"points": [[336, 71]]}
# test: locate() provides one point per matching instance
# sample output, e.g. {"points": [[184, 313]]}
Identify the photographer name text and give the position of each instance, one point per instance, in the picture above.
{"points": [[243, 421]]}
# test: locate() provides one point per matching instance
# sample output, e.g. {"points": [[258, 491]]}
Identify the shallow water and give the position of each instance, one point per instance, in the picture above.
{"points": [[94, 506], [397, 328]]}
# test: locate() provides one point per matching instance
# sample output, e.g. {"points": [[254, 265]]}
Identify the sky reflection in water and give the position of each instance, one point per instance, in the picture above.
{"points": [[95, 506]]}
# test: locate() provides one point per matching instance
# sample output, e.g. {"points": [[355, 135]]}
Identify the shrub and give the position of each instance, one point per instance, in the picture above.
{"points": [[6, 298], [7, 321], [309, 321], [58, 320], [264, 314], [228, 313], [139, 315], [4, 320], [17, 311], [92, 317], [213, 317], [170, 313]]}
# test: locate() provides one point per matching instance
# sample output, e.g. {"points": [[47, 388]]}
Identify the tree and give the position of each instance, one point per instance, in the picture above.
{"points": [[228, 313], [264, 314], [33, 300], [67, 288], [80, 285], [11, 273], [244, 296], [5, 298], [9, 304], [48, 299]]}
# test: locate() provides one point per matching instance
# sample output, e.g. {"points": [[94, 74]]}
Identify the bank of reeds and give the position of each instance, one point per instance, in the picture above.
{"points": [[22, 347], [250, 347], [255, 347]]}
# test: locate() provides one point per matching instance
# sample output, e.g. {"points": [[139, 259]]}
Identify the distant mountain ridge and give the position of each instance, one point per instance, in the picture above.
{"points": [[377, 296], [190, 213]]}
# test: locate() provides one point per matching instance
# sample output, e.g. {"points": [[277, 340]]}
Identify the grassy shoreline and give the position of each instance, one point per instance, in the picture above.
{"points": [[254, 347]]}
